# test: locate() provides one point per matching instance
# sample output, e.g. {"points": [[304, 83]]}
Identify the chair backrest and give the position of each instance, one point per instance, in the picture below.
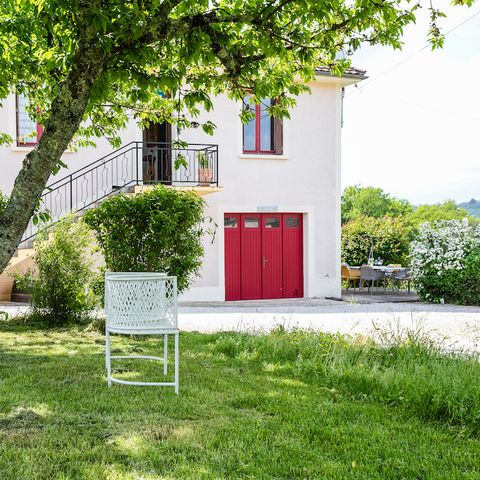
{"points": [[394, 265], [369, 273], [366, 272], [140, 301], [403, 274], [345, 271]]}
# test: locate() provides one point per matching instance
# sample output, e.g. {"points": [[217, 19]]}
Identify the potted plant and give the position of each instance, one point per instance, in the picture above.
{"points": [[205, 172]]}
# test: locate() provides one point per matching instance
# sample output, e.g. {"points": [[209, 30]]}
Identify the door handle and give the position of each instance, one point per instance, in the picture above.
{"points": [[264, 262]]}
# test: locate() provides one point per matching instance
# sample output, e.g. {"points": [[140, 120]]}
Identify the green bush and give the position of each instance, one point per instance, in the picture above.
{"points": [[454, 286], [446, 262], [61, 284], [390, 237], [159, 230]]}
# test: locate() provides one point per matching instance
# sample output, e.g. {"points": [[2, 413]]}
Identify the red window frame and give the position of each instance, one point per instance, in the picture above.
{"points": [[30, 142], [258, 143]]}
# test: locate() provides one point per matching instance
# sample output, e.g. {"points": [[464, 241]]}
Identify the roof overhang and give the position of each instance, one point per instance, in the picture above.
{"points": [[349, 77]]}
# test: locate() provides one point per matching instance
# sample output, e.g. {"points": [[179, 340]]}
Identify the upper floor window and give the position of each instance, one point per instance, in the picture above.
{"points": [[28, 130], [263, 134]]}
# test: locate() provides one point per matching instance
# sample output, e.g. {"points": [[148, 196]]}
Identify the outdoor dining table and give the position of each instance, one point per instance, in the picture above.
{"points": [[384, 268], [387, 269]]}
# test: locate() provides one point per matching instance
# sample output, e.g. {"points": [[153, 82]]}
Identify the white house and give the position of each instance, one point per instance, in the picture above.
{"points": [[272, 187]]}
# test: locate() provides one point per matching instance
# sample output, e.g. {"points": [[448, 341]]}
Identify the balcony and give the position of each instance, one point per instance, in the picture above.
{"points": [[190, 167]]}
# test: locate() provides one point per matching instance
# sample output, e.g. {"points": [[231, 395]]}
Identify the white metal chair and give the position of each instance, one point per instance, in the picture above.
{"points": [[141, 303]]}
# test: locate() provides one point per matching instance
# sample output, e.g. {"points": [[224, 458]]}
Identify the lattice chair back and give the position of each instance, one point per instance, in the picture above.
{"points": [[140, 302]]}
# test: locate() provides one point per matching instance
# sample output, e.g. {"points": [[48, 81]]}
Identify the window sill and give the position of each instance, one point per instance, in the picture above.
{"points": [[261, 156]]}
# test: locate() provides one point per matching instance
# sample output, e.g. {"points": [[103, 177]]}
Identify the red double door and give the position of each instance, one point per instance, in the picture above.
{"points": [[263, 255]]}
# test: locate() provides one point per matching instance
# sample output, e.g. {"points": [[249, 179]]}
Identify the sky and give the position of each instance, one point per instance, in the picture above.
{"points": [[413, 127]]}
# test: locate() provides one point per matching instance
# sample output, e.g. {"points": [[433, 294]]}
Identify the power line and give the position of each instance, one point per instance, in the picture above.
{"points": [[401, 62]]}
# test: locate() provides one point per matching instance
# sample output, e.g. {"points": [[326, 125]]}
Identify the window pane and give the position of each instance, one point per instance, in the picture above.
{"points": [[230, 222], [251, 223], [272, 222], [249, 128], [291, 222], [266, 126], [27, 128], [249, 136]]}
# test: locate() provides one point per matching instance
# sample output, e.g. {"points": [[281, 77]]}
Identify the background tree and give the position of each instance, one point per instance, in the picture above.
{"points": [[85, 64], [447, 210], [372, 202]]}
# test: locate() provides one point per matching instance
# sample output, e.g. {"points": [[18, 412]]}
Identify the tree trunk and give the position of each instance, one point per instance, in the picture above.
{"points": [[66, 114]]}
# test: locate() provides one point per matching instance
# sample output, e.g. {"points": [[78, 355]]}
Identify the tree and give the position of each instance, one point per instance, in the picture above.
{"points": [[86, 64], [447, 210], [372, 202]]}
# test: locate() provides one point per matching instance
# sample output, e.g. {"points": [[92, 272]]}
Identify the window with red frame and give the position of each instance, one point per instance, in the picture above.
{"points": [[263, 134], [28, 130]]}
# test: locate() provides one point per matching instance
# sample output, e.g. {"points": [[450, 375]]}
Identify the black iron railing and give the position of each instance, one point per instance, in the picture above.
{"points": [[136, 163]]}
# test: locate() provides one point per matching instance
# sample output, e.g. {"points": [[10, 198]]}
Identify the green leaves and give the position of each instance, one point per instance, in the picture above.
{"points": [[61, 284], [189, 50], [180, 161], [160, 230], [389, 236]]}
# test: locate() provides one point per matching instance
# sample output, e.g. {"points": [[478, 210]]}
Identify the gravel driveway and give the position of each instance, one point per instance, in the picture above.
{"points": [[455, 327]]}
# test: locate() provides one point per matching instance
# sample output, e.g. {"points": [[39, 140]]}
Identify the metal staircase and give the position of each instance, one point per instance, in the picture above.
{"points": [[136, 163]]}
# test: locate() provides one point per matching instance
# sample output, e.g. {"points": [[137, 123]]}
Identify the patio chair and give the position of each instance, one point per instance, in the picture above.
{"points": [[350, 275], [401, 276], [141, 303], [369, 275]]}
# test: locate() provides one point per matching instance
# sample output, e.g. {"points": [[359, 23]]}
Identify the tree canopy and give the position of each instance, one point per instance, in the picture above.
{"points": [[372, 202], [359, 203], [88, 65], [447, 210]]}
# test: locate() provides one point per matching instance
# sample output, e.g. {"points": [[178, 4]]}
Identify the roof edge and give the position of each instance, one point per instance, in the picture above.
{"points": [[349, 74]]}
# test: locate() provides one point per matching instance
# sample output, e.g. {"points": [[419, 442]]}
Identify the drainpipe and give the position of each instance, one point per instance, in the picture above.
{"points": [[341, 108]]}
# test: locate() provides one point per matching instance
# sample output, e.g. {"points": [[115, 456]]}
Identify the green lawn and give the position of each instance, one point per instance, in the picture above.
{"points": [[280, 406]]}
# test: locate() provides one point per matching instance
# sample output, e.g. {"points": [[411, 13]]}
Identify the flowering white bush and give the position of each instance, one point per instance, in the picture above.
{"points": [[440, 248]]}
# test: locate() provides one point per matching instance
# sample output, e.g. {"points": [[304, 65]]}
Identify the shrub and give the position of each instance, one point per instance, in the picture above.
{"points": [[446, 262], [160, 230], [390, 238], [61, 283]]}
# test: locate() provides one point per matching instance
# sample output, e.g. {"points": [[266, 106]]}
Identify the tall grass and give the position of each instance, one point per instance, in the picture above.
{"points": [[410, 371]]}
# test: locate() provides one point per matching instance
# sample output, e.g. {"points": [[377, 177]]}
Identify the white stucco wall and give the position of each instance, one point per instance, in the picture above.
{"points": [[11, 157], [306, 178]]}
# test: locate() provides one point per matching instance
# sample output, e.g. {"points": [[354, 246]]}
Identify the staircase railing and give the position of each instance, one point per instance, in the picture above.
{"points": [[136, 163]]}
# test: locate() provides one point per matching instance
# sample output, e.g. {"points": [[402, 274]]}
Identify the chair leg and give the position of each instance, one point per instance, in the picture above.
{"points": [[165, 354], [176, 363], [107, 357]]}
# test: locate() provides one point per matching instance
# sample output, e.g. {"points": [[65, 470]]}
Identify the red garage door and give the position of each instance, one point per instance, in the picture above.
{"points": [[263, 255]]}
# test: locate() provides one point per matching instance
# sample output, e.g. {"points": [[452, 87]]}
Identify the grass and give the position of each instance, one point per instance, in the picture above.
{"points": [[284, 405]]}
